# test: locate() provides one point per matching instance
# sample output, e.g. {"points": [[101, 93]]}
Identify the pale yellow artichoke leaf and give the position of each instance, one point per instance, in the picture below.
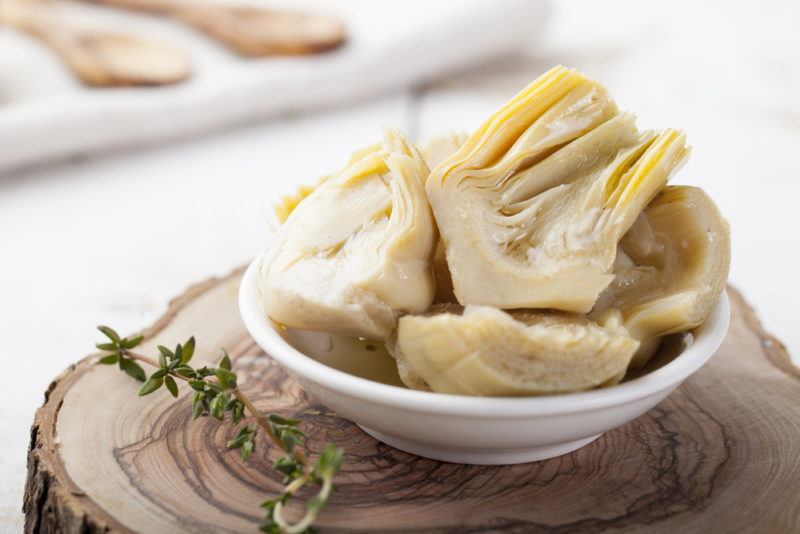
{"points": [[488, 352], [289, 202], [671, 268]]}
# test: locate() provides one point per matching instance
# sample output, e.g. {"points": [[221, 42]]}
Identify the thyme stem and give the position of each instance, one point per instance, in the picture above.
{"points": [[263, 422], [260, 418]]}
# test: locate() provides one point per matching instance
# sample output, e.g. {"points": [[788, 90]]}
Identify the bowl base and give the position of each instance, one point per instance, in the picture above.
{"points": [[480, 456]]}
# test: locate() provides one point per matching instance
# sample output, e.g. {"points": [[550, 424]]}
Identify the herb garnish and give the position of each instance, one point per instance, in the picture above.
{"points": [[216, 392]]}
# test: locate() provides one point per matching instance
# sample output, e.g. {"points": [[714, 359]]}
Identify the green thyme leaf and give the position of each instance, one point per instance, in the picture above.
{"points": [[197, 409], [165, 352], [330, 461], [288, 465], [111, 359], [132, 369], [204, 371], [225, 363], [237, 442], [152, 384], [185, 370], [106, 346], [188, 350], [297, 432], [226, 378], [238, 412], [198, 406], [110, 333], [278, 420], [245, 436], [247, 450], [171, 385], [197, 385], [132, 342], [217, 408]]}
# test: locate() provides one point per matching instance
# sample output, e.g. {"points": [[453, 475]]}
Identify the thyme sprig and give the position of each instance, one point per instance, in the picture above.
{"points": [[217, 392]]}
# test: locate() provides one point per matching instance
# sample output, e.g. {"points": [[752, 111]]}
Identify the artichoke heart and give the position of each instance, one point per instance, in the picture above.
{"points": [[355, 251], [489, 352], [532, 205], [671, 267]]}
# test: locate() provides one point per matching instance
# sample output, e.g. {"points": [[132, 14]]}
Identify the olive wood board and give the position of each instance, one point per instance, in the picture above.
{"points": [[721, 454]]}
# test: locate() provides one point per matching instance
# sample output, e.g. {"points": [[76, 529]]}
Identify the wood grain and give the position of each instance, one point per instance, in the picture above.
{"points": [[719, 455]]}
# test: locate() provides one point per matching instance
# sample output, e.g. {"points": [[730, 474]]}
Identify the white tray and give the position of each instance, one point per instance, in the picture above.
{"points": [[45, 114]]}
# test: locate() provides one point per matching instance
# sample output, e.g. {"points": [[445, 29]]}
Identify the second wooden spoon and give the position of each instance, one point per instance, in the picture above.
{"points": [[250, 31]]}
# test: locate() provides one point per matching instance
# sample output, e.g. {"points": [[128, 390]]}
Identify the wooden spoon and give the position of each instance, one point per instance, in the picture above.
{"points": [[249, 31], [100, 59]]}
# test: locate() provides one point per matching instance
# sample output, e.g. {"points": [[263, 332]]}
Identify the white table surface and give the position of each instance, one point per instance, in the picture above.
{"points": [[111, 238]]}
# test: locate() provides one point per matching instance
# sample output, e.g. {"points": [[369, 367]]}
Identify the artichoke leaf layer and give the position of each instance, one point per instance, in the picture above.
{"points": [[671, 267], [355, 251], [532, 205], [488, 352]]}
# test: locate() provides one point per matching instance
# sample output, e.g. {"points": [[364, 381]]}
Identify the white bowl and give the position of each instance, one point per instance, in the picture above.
{"points": [[478, 430]]}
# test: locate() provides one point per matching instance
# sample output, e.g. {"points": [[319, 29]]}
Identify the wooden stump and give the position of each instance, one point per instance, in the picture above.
{"points": [[721, 454]]}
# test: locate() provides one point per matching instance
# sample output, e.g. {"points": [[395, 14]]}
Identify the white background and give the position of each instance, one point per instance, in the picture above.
{"points": [[111, 238]]}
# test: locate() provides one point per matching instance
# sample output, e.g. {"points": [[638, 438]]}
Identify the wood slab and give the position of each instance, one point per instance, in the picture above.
{"points": [[721, 454]]}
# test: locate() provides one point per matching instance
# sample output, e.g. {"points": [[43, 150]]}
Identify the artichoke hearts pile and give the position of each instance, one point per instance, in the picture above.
{"points": [[542, 254]]}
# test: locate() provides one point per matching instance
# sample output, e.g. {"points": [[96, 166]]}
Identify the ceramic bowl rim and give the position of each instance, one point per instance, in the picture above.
{"points": [[706, 342]]}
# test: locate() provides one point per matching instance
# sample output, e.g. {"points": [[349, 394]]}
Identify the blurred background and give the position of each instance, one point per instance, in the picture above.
{"points": [[114, 199]]}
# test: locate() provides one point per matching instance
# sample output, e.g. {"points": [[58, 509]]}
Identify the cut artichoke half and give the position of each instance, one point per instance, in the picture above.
{"points": [[356, 250], [488, 352], [671, 268], [433, 152], [532, 205]]}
